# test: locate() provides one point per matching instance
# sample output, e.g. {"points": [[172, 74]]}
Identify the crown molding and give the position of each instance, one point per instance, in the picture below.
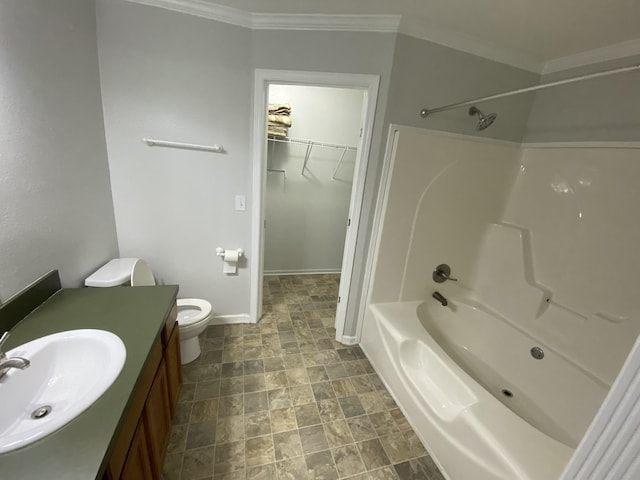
{"points": [[590, 57], [269, 21]]}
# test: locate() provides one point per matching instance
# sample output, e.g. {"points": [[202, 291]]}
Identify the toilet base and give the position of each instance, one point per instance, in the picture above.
{"points": [[189, 350]]}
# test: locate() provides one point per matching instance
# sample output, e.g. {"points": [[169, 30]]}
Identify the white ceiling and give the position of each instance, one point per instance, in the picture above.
{"points": [[539, 30]]}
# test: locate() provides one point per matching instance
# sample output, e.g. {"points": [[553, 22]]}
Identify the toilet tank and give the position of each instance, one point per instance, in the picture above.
{"points": [[119, 272]]}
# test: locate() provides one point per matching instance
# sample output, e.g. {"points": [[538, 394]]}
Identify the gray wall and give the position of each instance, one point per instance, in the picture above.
{"points": [[603, 109], [429, 75], [55, 201]]}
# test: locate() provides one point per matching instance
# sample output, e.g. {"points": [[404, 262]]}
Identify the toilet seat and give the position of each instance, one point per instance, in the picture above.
{"points": [[192, 310]]}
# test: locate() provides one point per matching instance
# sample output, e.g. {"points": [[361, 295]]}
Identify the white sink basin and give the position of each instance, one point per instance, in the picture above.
{"points": [[69, 371]]}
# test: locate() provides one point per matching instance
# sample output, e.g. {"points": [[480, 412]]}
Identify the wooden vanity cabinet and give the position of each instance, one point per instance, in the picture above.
{"points": [[141, 445]]}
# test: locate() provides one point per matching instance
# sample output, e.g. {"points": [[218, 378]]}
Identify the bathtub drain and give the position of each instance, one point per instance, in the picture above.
{"points": [[507, 393]]}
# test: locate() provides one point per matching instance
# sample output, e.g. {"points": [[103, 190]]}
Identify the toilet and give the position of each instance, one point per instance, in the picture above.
{"points": [[193, 313]]}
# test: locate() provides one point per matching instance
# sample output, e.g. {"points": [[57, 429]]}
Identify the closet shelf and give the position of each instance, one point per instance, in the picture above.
{"points": [[310, 144]]}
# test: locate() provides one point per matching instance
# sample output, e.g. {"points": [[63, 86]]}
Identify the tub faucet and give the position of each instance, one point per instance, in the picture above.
{"points": [[438, 296], [14, 362]]}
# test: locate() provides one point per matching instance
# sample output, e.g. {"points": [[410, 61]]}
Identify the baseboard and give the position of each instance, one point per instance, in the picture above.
{"points": [[230, 319], [299, 272], [349, 340]]}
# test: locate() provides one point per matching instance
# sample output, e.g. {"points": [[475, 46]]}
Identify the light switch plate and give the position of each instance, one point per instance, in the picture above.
{"points": [[241, 203]]}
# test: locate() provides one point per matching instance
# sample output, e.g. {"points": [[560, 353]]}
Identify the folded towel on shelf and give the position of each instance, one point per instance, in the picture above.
{"points": [[280, 119], [275, 130], [279, 109]]}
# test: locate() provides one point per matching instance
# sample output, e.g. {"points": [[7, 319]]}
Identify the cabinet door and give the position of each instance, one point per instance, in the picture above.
{"points": [[157, 419], [138, 465], [174, 368]]}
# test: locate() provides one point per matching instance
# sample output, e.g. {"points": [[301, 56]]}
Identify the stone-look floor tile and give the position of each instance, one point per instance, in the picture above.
{"points": [[301, 394], [417, 448], [252, 340], [172, 466], [338, 433], [275, 380], [400, 419], [279, 398], [336, 371], [206, 390], [375, 380], [201, 434], [183, 413], [389, 402], [343, 388], [307, 415], [210, 356], [317, 374], [204, 410], [397, 447], [324, 344], [383, 423], [322, 391], [235, 354], [347, 354], [347, 460], [197, 464], [283, 419], [273, 364], [262, 472], [259, 451], [372, 402], [320, 465], [232, 369], [229, 457], [231, 386], [354, 368], [200, 373], [287, 444], [178, 439], [255, 402], [313, 439], [418, 469], [361, 428], [257, 424], [293, 469], [372, 453], [385, 473], [231, 405], [362, 384], [230, 429], [351, 406], [253, 353], [187, 392], [297, 376], [235, 475], [292, 361], [330, 410], [254, 383], [252, 367]]}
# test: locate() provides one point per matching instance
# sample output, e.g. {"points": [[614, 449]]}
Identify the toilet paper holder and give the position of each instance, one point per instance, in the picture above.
{"points": [[221, 252]]}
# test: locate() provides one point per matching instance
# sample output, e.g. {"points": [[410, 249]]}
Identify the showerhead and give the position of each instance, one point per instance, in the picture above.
{"points": [[484, 121]]}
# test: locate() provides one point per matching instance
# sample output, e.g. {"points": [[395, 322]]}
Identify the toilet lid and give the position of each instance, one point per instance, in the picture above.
{"points": [[192, 310]]}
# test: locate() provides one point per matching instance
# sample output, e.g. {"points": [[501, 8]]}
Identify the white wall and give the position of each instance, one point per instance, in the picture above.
{"points": [[55, 202], [306, 213]]}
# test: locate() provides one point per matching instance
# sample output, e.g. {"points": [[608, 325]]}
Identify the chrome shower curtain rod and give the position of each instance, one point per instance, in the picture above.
{"points": [[428, 111]]}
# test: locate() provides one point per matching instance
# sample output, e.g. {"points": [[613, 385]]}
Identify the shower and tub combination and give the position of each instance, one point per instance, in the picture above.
{"points": [[500, 316]]}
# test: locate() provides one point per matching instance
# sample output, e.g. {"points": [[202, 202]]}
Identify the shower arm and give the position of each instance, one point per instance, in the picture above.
{"points": [[429, 111]]}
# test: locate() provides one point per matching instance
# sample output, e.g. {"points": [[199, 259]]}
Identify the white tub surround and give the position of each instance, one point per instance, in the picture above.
{"points": [[544, 247]]}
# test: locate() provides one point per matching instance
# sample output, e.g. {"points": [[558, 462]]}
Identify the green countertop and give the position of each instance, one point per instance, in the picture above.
{"points": [[78, 450]]}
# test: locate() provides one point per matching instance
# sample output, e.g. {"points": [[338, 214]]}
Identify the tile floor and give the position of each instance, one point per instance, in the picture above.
{"points": [[282, 399]]}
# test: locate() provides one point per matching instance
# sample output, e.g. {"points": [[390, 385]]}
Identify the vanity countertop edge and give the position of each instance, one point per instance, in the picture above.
{"points": [[80, 450]]}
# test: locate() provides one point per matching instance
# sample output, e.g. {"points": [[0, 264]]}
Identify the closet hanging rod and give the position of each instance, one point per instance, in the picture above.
{"points": [[311, 142], [152, 142], [428, 111]]}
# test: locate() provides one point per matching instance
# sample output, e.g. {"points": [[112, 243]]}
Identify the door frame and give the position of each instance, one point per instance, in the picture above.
{"points": [[369, 84]]}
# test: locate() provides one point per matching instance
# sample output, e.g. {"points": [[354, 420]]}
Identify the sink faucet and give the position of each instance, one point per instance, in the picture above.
{"points": [[13, 362]]}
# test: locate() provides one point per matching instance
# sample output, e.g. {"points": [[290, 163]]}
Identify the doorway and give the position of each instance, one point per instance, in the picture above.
{"points": [[300, 162]]}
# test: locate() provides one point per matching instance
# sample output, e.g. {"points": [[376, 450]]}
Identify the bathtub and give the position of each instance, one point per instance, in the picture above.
{"points": [[467, 382]]}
